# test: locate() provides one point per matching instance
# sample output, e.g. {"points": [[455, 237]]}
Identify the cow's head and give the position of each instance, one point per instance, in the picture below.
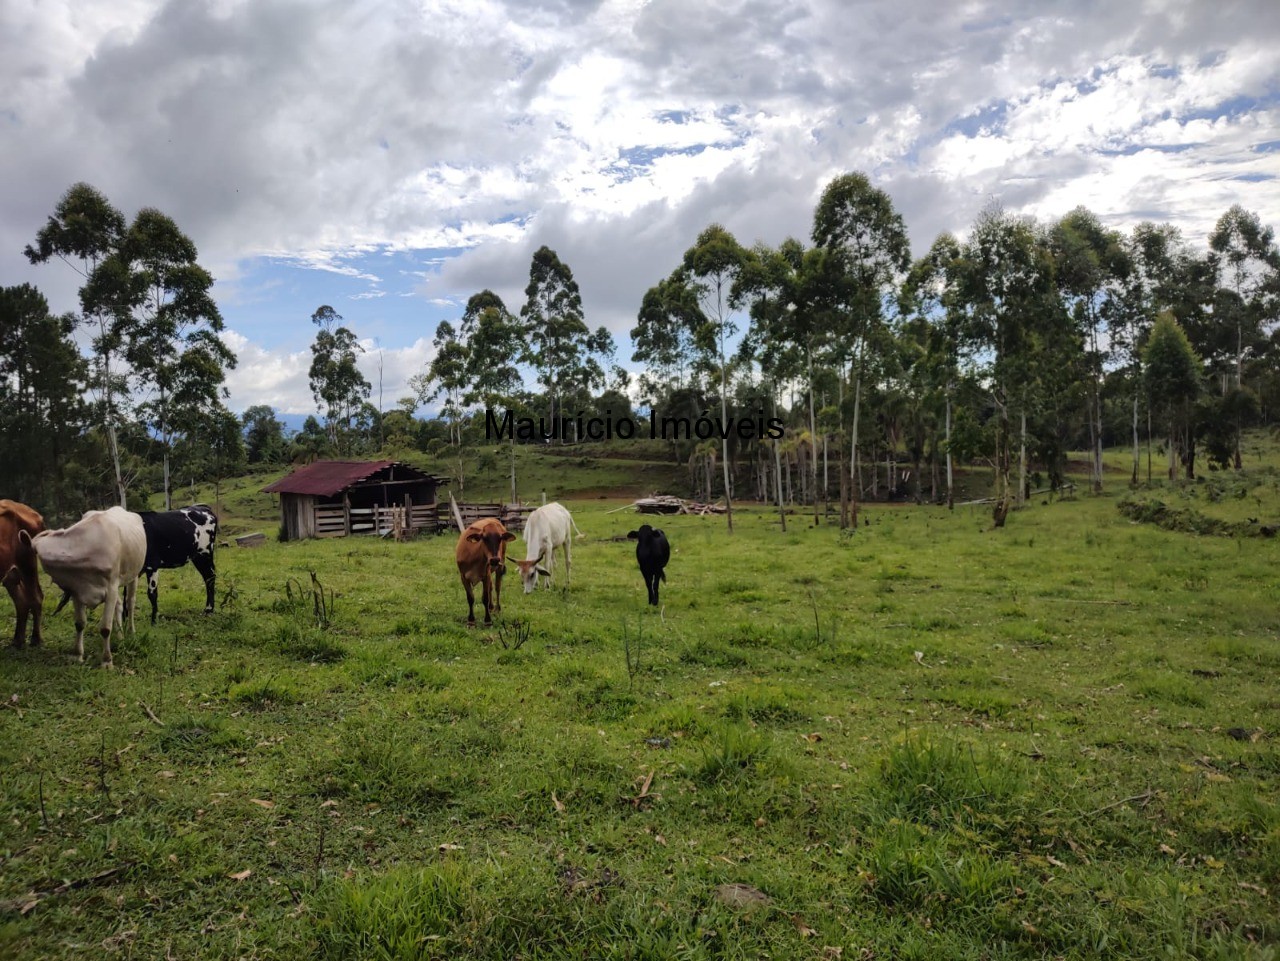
{"points": [[495, 545], [644, 535], [529, 571]]}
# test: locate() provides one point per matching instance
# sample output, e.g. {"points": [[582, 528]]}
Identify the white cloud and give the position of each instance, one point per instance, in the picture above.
{"points": [[335, 139], [280, 379]]}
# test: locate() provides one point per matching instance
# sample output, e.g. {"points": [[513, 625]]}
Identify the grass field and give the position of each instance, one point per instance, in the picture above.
{"points": [[924, 740]]}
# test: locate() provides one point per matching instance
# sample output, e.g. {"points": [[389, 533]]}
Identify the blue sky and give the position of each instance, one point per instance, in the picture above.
{"points": [[390, 159]]}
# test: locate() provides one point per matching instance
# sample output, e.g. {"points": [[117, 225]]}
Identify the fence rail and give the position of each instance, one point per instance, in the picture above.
{"points": [[337, 521]]}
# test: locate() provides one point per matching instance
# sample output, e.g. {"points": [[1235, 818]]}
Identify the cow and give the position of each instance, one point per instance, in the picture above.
{"points": [[482, 555], [91, 560], [652, 552], [175, 537], [19, 569], [545, 529]]}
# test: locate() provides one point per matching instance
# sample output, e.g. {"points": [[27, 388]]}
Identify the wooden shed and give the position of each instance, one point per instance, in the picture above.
{"points": [[335, 498]]}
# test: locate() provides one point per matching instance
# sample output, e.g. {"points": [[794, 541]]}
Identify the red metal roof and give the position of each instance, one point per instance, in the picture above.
{"points": [[325, 478]]}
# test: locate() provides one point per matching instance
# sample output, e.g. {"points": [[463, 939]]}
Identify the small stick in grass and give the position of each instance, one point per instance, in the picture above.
{"points": [[151, 714]]}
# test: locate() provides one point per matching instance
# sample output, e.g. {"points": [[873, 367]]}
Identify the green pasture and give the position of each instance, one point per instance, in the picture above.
{"points": [[925, 739]]}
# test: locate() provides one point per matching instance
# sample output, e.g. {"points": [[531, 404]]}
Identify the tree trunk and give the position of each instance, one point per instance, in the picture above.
{"points": [[1095, 413], [777, 464], [1137, 457], [1022, 461], [854, 492], [724, 441], [1148, 444], [844, 475], [813, 437], [515, 499], [113, 444], [1000, 512], [951, 495], [164, 439], [1097, 488]]}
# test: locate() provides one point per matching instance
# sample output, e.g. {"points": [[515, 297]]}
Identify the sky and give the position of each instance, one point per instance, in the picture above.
{"points": [[391, 159]]}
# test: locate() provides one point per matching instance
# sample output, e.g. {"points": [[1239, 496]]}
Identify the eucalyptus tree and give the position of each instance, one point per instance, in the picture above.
{"points": [[867, 239], [310, 443], [789, 307], [559, 345], [42, 379], [1005, 283], [710, 269], [1091, 267], [931, 293], [446, 377], [175, 350], [336, 382], [763, 286], [1165, 275], [1246, 265], [1172, 372], [146, 302], [663, 338], [495, 340], [264, 441], [209, 445], [85, 230]]}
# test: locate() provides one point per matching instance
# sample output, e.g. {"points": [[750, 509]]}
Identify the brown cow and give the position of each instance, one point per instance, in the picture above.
{"points": [[20, 571], [482, 558]]}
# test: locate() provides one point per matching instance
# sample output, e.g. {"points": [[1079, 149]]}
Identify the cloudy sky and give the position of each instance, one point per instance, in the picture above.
{"points": [[390, 159]]}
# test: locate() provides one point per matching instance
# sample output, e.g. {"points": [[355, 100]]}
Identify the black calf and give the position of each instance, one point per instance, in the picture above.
{"points": [[175, 537], [653, 552]]}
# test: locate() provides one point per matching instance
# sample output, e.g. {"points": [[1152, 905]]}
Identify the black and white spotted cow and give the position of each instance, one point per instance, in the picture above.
{"points": [[175, 537]]}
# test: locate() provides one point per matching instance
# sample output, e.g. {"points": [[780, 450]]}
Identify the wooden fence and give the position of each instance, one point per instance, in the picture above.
{"points": [[512, 515], [337, 521]]}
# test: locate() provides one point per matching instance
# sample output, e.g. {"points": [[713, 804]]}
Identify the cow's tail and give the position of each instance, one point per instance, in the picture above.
{"points": [[575, 529], [66, 596]]}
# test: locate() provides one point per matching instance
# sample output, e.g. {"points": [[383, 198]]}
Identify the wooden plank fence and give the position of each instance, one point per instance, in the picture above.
{"points": [[337, 521], [512, 515]]}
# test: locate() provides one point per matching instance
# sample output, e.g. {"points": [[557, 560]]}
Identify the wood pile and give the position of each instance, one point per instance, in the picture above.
{"points": [[666, 504]]}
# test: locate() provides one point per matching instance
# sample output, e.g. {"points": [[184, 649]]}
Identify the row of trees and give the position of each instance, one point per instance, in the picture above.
{"points": [[1010, 347], [146, 404]]}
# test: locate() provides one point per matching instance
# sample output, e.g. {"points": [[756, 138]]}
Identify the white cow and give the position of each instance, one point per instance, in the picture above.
{"points": [[91, 560], [546, 529]]}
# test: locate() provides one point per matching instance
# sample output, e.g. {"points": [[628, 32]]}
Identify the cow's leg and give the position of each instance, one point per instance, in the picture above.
{"points": [[497, 589], [204, 564], [153, 592], [80, 618], [471, 602], [131, 602], [110, 607], [14, 587], [653, 589], [567, 564], [487, 598], [35, 600]]}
